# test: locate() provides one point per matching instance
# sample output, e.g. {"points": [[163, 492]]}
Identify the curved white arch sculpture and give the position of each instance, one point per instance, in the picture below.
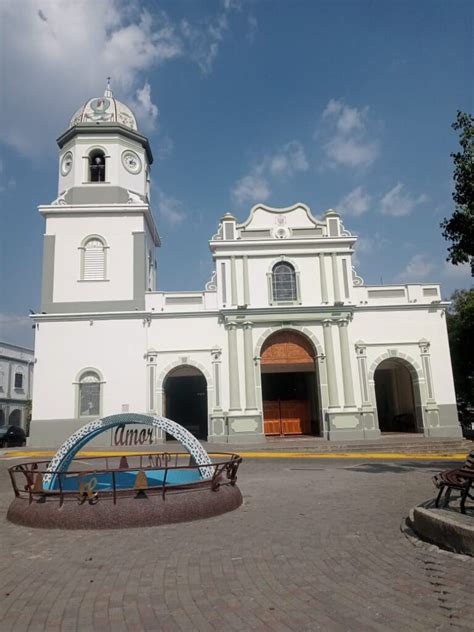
{"points": [[63, 457]]}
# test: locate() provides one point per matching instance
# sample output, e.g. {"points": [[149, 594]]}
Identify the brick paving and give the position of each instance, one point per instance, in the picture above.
{"points": [[316, 546]]}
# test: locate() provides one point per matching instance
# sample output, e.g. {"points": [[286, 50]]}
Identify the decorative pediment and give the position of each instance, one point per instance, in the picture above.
{"points": [[280, 221]]}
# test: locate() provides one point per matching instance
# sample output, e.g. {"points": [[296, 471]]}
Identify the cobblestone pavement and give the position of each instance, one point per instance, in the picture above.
{"points": [[316, 546]]}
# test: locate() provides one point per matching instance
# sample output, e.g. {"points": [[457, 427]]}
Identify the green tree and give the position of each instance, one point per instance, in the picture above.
{"points": [[461, 335], [459, 228]]}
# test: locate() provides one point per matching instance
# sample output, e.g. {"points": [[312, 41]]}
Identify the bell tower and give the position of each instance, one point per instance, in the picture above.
{"points": [[100, 233]]}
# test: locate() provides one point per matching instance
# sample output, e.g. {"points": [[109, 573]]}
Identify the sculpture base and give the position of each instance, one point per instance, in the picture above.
{"points": [[145, 509]]}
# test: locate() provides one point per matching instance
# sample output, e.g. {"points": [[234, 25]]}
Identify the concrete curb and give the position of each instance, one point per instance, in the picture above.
{"points": [[447, 528]]}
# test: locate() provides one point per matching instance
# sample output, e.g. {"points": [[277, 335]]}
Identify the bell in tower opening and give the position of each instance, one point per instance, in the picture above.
{"points": [[97, 166]]}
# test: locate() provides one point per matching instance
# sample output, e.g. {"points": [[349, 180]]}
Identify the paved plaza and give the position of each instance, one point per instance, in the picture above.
{"points": [[316, 545]]}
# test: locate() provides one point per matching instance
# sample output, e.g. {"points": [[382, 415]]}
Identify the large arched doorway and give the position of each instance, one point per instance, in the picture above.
{"points": [[185, 392], [395, 397], [2, 417], [15, 417], [289, 385]]}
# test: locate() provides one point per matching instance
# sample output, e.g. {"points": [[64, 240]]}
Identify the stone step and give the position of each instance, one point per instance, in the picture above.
{"points": [[403, 445]]}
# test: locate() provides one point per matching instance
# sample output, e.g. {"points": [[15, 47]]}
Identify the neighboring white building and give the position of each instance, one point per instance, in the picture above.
{"points": [[16, 384], [285, 338]]}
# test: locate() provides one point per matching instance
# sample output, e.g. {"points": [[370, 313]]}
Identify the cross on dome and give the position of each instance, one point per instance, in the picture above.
{"points": [[105, 109], [108, 90]]}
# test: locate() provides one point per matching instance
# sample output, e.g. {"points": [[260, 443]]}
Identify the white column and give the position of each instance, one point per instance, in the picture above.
{"points": [[322, 279], [335, 278], [347, 384], [330, 364], [426, 363], [245, 267], [234, 388], [250, 396], [216, 370], [150, 382], [361, 351], [233, 282]]}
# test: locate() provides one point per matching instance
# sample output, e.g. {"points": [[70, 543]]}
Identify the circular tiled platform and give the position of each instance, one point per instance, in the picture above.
{"points": [[146, 510]]}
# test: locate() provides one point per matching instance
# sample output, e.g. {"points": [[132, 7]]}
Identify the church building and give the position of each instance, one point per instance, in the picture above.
{"points": [[285, 339]]}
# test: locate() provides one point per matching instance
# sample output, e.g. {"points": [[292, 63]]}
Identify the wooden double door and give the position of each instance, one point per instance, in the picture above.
{"points": [[288, 384], [286, 404]]}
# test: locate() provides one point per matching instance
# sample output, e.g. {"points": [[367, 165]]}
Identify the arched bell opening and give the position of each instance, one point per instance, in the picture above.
{"points": [[290, 385], [396, 397], [185, 399], [97, 166]]}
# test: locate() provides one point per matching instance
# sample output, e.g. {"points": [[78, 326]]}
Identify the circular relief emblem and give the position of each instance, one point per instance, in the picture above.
{"points": [[281, 232], [66, 163], [131, 161]]}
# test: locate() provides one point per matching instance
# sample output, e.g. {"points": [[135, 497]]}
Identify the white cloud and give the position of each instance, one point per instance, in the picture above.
{"points": [[284, 163], [397, 202], [419, 268], [5, 181], [202, 39], [461, 272], [143, 107], [65, 52], [170, 209], [252, 26], [290, 159], [16, 329], [355, 203], [346, 136], [251, 188], [60, 53]]}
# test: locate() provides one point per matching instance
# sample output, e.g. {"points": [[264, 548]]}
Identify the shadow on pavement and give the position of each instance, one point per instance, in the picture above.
{"points": [[387, 468]]}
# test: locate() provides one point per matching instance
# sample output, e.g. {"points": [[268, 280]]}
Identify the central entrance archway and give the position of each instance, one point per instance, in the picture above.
{"points": [[186, 399], [289, 385], [395, 397]]}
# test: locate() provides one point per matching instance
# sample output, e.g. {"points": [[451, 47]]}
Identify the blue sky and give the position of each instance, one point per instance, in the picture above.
{"points": [[344, 105]]}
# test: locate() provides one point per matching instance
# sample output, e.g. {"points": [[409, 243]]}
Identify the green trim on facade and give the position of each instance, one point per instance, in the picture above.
{"points": [[73, 307]]}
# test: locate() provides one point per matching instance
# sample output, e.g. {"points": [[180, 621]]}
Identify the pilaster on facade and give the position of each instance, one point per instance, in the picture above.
{"points": [[233, 282], [333, 395], [234, 386], [323, 279], [347, 381], [250, 391], [151, 360], [245, 273], [335, 279], [425, 356], [361, 354]]}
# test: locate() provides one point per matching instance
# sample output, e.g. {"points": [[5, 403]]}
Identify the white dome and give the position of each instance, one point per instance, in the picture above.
{"points": [[105, 109]]}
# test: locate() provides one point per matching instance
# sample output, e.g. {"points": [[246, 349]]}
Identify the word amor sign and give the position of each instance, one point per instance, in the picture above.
{"points": [[123, 436]]}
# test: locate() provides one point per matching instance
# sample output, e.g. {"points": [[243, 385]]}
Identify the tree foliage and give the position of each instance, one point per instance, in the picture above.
{"points": [[459, 228], [461, 336]]}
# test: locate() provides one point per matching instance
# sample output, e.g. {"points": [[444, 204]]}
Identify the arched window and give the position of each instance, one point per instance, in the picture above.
{"points": [[89, 394], [18, 380], [97, 166], [284, 282], [93, 259]]}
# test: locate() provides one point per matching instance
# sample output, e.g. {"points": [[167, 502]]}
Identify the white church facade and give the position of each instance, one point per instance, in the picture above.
{"points": [[284, 340]]}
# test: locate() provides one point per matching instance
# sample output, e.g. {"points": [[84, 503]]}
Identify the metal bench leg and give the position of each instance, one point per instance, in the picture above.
{"points": [[464, 495], [438, 497], [447, 496]]}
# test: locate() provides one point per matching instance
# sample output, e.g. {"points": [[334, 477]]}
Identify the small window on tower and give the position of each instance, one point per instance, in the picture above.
{"points": [[93, 261], [97, 166]]}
